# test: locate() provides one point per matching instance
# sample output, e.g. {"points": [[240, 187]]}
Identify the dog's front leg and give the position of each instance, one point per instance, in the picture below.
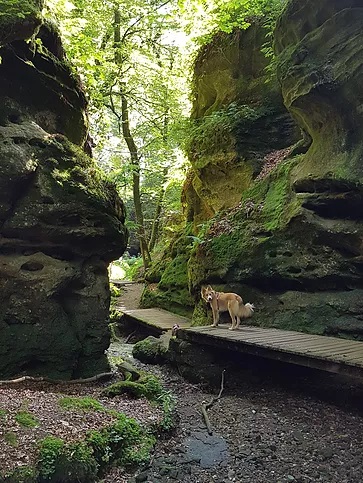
{"points": [[215, 317]]}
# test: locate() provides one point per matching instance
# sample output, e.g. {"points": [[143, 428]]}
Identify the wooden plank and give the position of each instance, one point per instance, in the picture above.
{"points": [[305, 345]]}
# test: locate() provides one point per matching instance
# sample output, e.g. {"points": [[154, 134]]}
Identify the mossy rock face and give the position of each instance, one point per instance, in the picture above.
{"points": [[19, 20], [320, 71], [61, 222], [168, 280], [238, 118]]}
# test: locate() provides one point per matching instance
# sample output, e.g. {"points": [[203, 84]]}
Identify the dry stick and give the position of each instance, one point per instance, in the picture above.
{"points": [[129, 337], [206, 406], [103, 375]]}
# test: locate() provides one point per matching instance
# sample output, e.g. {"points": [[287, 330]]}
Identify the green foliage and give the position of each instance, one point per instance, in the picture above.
{"points": [[80, 403], [150, 387], [22, 474], [145, 65], [167, 401], [204, 19], [125, 442], [50, 450], [115, 315], [131, 267], [115, 291], [70, 462], [131, 443], [3, 413], [26, 419]]}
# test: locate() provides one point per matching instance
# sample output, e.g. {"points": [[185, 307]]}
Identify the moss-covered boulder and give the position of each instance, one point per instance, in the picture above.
{"points": [[61, 222], [152, 350]]}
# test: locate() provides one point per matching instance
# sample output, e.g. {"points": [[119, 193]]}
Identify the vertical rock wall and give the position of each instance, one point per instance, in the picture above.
{"points": [[61, 222], [294, 246], [238, 120]]}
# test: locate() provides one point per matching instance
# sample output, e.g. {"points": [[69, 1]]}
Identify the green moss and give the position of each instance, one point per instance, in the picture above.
{"points": [[147, 386], [19, 19], [176, 273], [124, 442], [131, 443], [217, 130], [26, 419], [11, 438], [3, 413], [71, 462], [150, 350], [202, 316], [80, 403], [177, 300]]}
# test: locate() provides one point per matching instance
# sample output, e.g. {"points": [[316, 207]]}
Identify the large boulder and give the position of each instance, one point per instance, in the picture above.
{"points": [[61, 222]]}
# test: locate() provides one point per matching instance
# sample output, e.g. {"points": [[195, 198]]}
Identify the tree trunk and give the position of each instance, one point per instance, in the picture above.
{"points": [[156, 221], [135, 181], [131, 145]]}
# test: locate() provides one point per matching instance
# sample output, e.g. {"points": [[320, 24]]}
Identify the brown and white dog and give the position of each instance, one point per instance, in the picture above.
{"points": [[221, 302]]}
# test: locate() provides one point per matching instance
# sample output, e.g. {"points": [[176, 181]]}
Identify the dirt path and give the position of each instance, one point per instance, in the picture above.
{"points": [[130, 296]]}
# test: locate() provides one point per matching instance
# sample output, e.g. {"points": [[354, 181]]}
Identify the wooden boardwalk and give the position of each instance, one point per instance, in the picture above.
{"points": [[326, 353], [157, 320]]}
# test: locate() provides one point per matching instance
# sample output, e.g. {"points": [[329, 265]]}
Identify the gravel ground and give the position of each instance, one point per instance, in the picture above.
{"points": [[264, 431]]}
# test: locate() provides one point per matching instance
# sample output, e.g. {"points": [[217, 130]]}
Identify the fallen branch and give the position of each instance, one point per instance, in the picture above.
{"points": [[129, 337], [208, 405], [102, 375]]}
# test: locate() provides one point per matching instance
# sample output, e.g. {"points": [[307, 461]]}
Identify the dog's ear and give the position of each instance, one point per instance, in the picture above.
{"points": [[209, 287]]}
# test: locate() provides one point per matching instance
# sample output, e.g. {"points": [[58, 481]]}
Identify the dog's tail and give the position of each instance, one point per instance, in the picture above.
{"points": [[246, 310]]}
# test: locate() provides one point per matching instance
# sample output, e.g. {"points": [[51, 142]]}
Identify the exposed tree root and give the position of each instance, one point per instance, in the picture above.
{"points": [[97, 377]]}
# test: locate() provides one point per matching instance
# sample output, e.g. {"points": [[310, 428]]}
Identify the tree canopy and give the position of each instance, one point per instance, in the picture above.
{"points": [[134, 59]]}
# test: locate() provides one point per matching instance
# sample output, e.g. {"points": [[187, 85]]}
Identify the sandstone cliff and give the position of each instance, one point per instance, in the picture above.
{"points": [[238, 119], [60, 220], [293, 244]]}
